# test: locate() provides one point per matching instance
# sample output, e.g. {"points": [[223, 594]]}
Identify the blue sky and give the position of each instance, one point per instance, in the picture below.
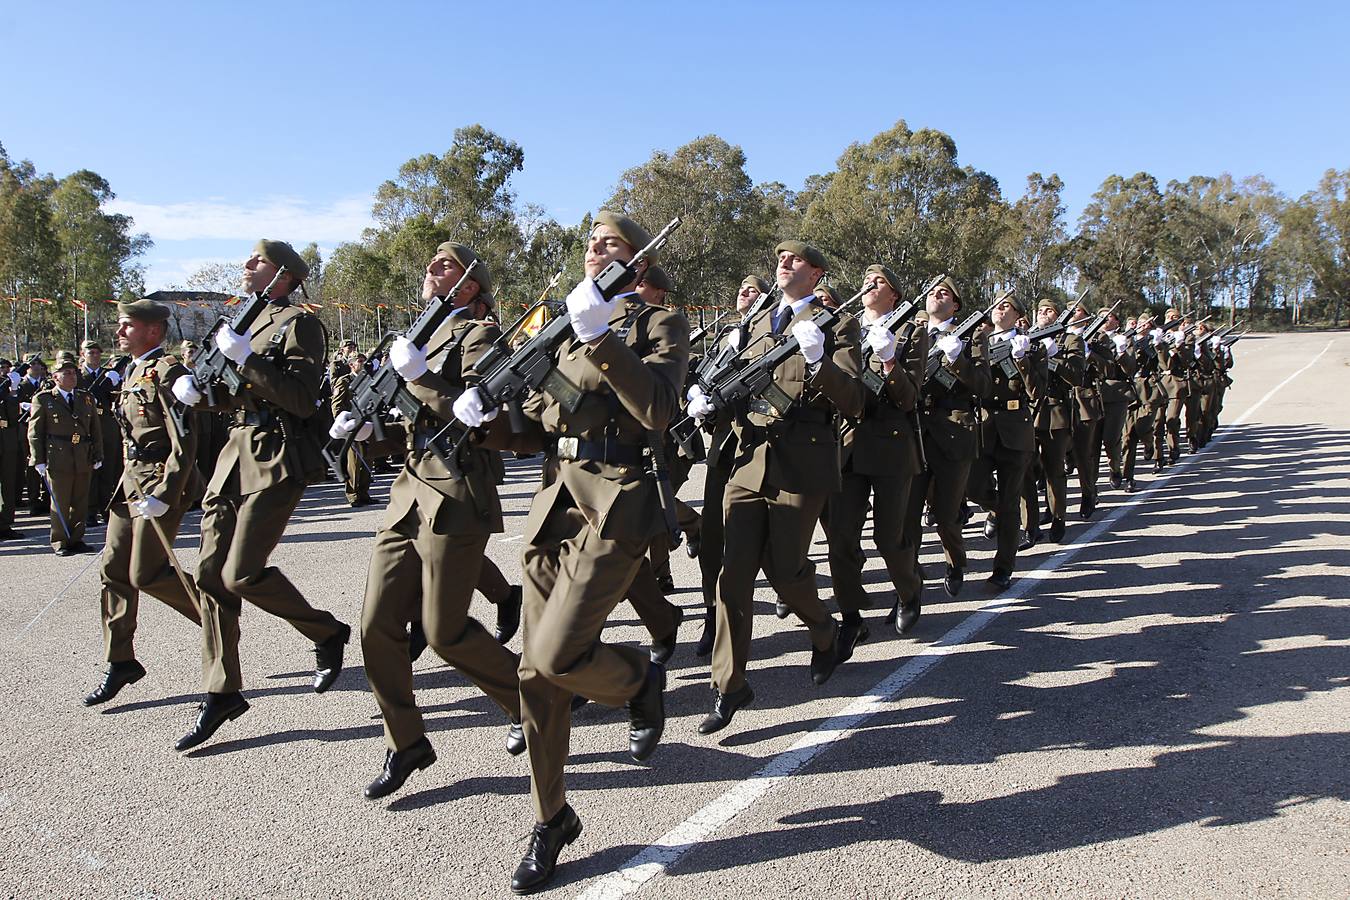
{"points": [[219, 123]]}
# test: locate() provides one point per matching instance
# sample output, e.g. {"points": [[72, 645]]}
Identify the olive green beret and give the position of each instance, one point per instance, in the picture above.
{"points": [[90, 345], [65, 359], [824, 291], [466, 257], [949, 283], [1104, 310], [657, 278], [805, 251], [280, 253], [144, 311], [756, 282], [633, 234], [884, 272], [1047, 303], [1012, 298]]}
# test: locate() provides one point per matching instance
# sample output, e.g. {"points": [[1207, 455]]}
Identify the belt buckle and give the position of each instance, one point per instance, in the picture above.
{"points": [[75, 438], [1014, 404], [568, 447]]}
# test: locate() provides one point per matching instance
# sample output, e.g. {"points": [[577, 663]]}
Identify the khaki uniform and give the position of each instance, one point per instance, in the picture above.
{"points": [[951, 446], [357, 468], [1176, 381], [881, 460], [259, 479], [1147, 425], [1054, 422], [1202, 395], [1087, 426], [106, 480], [1117, 393], [429, 551], [786, 467], [69, 439], [1008, 443], [590, 525], [159, 463]]}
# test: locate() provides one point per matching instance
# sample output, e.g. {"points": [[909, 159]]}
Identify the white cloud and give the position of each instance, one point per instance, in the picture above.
{"points": [[284, 218]]}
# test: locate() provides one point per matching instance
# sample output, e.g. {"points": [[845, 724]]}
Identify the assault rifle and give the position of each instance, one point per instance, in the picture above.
{"points": [[1001, 354], [215, 370], [755, 380], [893, 322], [933, 367], [699, 334], [509, 376], [1098, 324], [375, 393]]}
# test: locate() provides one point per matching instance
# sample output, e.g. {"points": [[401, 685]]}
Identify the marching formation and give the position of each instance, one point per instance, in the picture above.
{"points": [[806, 408]]}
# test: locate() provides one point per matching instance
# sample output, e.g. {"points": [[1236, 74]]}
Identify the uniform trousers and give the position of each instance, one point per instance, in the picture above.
{"points": [[134, 560], [848, 513]]}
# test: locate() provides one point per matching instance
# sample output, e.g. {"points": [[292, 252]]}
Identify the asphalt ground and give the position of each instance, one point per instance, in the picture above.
{"points": [[1158, 708]]}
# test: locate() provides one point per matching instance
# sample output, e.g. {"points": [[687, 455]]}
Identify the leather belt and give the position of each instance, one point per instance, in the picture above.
{"points": [[1001, 406], [796, 414], [931, 402], [259, 417], [606, 451], [72, 438], [156, 453]]}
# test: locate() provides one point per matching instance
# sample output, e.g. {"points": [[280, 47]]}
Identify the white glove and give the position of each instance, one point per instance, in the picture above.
{"points": [[98, 465], [699, 406], [1122, 344], [41, 469], [951, 346], [408, 360], [1216, 342], [810, 340], [1020, 345], [590, 312], [734, 339], [1158, 337], [14, 380], [150, 508], [26, 407], [1175, 336], [235, 346], [882, 343], [469, 408], [1051, 348], [113, 378], [347, 423], [1087, 351], [185, 389]]}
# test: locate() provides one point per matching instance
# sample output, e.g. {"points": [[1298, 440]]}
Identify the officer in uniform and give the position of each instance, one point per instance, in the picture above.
{"points": [[1117, 363], [1009, 438], [102, 384], [65, 444], [1175, 359], [430, 548], [590, 526], [357, 470], [786, 467], [12, 440], [1055, 414], [880, 461], [159, 482], [1146, 422], [35, 379], [268, 459], [949, 436], [1087, 427]]}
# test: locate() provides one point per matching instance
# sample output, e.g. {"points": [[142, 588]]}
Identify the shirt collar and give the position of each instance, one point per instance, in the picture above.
{"points": [[797, 305], [940, 326]]}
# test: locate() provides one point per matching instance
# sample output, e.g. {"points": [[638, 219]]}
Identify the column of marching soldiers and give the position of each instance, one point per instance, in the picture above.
{"points": [[807, 408]]}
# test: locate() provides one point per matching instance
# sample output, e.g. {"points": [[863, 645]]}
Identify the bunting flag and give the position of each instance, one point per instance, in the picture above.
{"points": [[311, 307], [43, 300], [366, 308], [113, 302], [381, 306], [537, 320], [343, 306], [233, 301], [80, 304]]}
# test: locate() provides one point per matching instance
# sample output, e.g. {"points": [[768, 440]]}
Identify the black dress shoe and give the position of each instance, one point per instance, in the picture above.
{"points": [[1056, 531], [952, 583], [1000, 580], [65, 551], [662, 650], [692, 544], [417, 641], [508, 615], [578, 702], [1116, 481], [647, 714], [990, 527], [1158, 467], [515, 739], [398, 765], [328, 659], [1086, 509], [78, 547], [215, 712], [1130, 486], [895, 611], [708, 636], [908, 616], [724, 707], [1174, 457], [120, 674], [824, 662], [541, 858], [1026, 543], [91, 521], [851, 634], [780, 609], [667, 584]]}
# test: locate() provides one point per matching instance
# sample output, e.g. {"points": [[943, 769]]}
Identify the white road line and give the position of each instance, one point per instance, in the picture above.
{"points": [[674, 844]]}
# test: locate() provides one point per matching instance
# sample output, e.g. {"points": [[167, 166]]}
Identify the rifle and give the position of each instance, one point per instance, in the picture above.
{"points": [[755, 380], [215, 369], [893, 322], [1191, 327], [1230, 340], [508, 376], [373, 394], [933, 367], [699, 334], [1098, 324]]}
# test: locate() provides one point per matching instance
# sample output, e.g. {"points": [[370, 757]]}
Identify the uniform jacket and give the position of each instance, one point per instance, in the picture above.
{"points": [[1175, 363], [882, 441], [1117, 371], [1089, 393], [279, 380], [799, 452], [1062, 373], [164, 466], [631, 383], [1007, 411], [450, 505], [949, 416], [68, 440]]}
